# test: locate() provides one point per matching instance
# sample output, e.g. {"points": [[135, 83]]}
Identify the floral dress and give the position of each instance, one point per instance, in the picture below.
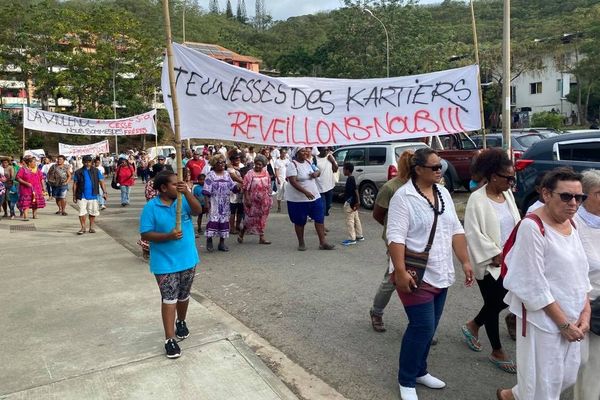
{"points": [[31, 197], [257, 201], [217, 188]]}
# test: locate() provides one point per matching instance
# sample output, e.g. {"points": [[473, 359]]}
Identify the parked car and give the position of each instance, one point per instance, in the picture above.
{"points": [[578, 151], [519, 142], [545, 132], [154, 152], [459, 150], [374, 165]]}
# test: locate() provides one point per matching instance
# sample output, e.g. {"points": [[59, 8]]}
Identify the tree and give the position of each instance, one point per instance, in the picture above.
{"points": [[241, 14], [228, 10], [8, 143], [213, 7]]}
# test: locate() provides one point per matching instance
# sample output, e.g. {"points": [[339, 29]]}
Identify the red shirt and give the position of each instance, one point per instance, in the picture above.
{"points": [[195, 167], [126, 175]]}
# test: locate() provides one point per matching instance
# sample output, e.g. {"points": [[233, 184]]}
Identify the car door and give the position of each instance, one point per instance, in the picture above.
{"points": [[340, 158], [357, 156], [375, 169]]}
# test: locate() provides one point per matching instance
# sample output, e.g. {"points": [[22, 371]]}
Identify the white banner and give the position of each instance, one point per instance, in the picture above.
{"points": [[45, 121], [82, 150], [219, 101]]}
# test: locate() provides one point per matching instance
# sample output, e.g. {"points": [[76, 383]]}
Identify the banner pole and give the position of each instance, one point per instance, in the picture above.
{"points": [[506, 112], [173, 90], [23, 129], [476, 42]]}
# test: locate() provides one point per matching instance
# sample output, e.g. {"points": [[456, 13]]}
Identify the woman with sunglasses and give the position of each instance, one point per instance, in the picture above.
{"points": [[411, 216], [548, 285], [218, 185], [490, 217]]}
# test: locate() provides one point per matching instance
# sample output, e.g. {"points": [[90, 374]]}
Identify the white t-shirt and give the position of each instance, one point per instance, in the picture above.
{"points": [[46, 168], [235, 198], [534, 207], [101, 169], [506, 219], [590, 236], [275, 153], [302, 171], [281, 167], [325, 181]]}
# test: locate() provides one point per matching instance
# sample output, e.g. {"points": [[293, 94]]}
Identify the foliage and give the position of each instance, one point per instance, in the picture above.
{"points": [[547, 119], [8, 141]]}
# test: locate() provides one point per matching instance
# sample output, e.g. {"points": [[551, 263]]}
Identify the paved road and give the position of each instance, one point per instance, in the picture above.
{"points": [[314, 306]]}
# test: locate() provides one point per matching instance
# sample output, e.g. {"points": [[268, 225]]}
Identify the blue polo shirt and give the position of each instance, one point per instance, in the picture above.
{"points": [[173, 255], [87, 184]]}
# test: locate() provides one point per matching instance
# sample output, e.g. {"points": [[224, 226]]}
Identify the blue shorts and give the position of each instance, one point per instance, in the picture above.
{"points": [[300, 210], [60, 192]]}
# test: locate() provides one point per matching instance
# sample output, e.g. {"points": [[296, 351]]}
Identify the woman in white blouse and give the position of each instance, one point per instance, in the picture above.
{"points": [[548, 285], [587, 221], [490, 217], [410, 220]]}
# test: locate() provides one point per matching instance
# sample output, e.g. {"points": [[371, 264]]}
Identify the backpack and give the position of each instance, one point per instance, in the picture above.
{"points": [[508, 245]]}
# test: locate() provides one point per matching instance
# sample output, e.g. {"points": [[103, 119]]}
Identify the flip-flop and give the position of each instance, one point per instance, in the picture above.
{"points": [[57, 213], [81, 232], [92, 230], [506, 366], [470, 340], [264, 242], [240, 239], [326, 246]]}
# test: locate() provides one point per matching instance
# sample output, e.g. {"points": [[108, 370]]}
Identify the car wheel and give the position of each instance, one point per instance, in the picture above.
{"points": [[367, 193], [448, 182]]}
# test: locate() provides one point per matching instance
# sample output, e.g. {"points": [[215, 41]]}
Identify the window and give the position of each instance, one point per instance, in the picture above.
{"points": [[513, 95], [356, 157], [377, 155], [588, 151], [535, 88], [340, 156], [559, 85]]}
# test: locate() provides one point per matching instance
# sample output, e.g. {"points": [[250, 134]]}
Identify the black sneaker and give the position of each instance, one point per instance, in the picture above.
{"points": [[181, 330], [172, 348]]}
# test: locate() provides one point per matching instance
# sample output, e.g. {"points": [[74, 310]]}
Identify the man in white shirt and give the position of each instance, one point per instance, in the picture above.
{"points": [[326, 180], [281, 164]]}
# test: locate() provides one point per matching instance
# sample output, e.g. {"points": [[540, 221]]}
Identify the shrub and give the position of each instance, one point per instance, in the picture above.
{"points": [[547, 119]]}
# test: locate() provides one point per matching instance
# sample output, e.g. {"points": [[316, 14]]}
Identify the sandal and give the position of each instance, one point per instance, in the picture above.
{"points": [[264, 242], [81, 232], [57, 213], [301, 247], [92, 230], [240, 239], [470, 339], [506, 366], [64, 213], [326, 246], [209, 246], [377, 322]]}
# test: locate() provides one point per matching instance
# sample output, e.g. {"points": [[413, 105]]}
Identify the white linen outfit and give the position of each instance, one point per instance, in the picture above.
{"points": [[543, 269], [588, 380], [280, 171], [409, 222], [487, 227]]}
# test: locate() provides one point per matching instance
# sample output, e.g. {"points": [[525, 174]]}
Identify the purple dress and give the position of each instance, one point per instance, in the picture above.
{"points": [[218, 188]]}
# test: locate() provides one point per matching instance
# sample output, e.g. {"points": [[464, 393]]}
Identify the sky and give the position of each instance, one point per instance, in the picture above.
{"points": [[283, 9]]}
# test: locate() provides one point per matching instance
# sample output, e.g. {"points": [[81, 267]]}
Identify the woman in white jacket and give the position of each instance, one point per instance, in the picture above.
{"points": [[490, 217]]}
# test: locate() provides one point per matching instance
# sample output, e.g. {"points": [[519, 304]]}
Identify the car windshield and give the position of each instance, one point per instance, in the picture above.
{"points": [[528, 140]]}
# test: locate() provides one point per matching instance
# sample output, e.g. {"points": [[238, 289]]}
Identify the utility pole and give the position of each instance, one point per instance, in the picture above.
{"points": [[183, 22], [476, 43], [114, 104], [506, 113]]}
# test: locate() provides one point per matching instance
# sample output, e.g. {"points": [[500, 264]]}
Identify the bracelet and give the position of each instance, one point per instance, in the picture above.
{"points": [[564, 326]]}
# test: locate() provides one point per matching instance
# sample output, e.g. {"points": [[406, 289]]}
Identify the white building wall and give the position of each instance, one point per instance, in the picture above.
{"points": [[551, 94]]}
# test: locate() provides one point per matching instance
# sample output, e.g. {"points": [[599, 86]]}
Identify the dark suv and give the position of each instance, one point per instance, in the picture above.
{"points": [[578, 151]]}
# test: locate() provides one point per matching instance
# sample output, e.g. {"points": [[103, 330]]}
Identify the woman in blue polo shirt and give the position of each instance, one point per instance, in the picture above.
{"points": [[173, 254]]}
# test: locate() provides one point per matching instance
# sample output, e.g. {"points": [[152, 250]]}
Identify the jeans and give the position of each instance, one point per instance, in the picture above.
{"points": [[383, 295], [125, 194], [493, 293], [327, 201], [423, 320], [101, 201]]}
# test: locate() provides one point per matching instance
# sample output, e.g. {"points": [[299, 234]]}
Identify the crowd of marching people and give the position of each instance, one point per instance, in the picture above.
{"points": [[544, 268]]}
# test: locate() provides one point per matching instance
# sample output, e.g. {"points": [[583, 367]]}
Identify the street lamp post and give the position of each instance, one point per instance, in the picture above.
{"points": [[387, 39], [114, 106]]}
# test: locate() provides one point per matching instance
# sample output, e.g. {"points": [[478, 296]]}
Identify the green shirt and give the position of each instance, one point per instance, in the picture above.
{"points": [[384, 196]]}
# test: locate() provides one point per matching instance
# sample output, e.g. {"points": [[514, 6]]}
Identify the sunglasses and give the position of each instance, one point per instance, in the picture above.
{"points": [[509, 178], [434, 168], [567, 197], [220, 162]]}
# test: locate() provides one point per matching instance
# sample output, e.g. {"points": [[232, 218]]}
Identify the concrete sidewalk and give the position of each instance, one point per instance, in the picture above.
{"points": [[81, 320]]}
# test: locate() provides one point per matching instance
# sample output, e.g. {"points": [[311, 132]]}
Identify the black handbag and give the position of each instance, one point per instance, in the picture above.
{"points": [[595, 316], [114, 184]]}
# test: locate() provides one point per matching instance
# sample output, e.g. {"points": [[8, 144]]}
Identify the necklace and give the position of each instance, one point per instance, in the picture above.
{"points": [[436, 192]]}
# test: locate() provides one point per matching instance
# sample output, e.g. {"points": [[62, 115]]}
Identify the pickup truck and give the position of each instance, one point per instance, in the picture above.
{"points": [[459, 150]]}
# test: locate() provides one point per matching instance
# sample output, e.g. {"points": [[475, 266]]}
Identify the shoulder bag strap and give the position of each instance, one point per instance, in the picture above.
{"points": [[433, 227]]}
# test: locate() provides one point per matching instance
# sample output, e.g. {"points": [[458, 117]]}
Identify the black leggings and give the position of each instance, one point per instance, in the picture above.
{"points": [[493, 293]]}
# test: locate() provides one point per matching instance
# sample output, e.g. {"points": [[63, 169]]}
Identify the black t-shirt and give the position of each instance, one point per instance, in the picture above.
{"points": [[350, 191]]}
